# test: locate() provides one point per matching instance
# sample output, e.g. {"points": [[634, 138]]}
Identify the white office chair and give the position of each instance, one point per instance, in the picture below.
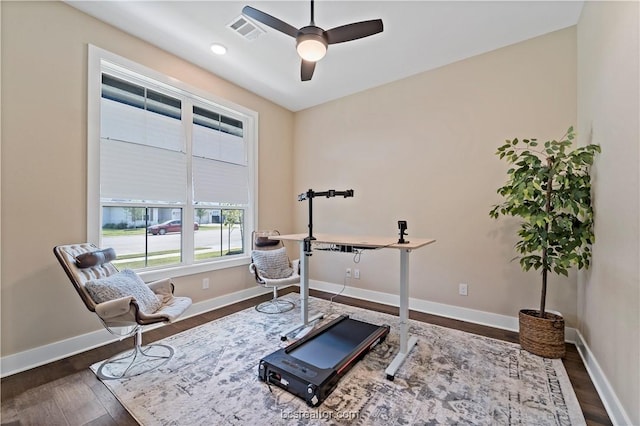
{"points": [[272, 268]]}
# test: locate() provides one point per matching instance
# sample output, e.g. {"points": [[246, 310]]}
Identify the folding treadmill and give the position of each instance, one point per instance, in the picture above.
{"points": [[311, 367]]}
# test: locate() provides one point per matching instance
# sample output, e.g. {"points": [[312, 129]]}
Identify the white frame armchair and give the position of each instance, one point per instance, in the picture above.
{"points": [[122, 316]]}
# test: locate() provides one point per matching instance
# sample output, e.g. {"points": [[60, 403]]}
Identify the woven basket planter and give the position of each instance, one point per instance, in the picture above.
{"points": [[542, 336]]}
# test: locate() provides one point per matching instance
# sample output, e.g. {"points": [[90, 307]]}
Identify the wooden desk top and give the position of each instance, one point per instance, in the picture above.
{"points": [[359, 241]]}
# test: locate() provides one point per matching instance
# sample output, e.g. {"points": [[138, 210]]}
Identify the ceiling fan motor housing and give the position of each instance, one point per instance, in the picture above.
{"points": [[311, 43]]}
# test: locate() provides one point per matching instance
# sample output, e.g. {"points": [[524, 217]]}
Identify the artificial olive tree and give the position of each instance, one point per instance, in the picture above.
{"points": [[549, 189]]}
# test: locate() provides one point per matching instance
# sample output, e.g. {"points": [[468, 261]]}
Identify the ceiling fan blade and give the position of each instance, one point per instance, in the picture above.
{"points": [[354, 31], [270, 21], [306, 70]]}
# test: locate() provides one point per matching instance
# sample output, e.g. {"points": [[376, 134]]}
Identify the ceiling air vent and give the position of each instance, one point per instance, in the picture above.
{"points": [[244, 27]]}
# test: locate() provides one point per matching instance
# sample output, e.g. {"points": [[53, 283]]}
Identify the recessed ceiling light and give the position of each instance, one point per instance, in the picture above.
{"points": [[218, 49]]}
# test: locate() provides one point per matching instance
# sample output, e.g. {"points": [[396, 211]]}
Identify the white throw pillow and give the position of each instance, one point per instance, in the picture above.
{"points": [[122, 284], [272, 264]]}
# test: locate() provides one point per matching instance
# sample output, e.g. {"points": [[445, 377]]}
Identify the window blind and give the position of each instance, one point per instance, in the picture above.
{"points": [[132, 124], [142, 155], [135, 173], [218, 182], [220, 172]]}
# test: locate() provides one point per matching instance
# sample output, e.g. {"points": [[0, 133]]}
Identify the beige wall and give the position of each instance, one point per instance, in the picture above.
{"points": [[422, 149], [44, 79], [608, 114]]}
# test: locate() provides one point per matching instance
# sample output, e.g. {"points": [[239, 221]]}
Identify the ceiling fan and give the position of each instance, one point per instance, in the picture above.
{"points": [[312, 41]]}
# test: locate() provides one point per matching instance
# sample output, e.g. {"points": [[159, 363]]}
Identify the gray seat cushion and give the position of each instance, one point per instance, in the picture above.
{"points": [[272, 264]]}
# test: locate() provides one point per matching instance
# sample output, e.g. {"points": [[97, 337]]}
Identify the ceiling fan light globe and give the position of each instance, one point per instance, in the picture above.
{"points": [[311, 48], [218, 49]]}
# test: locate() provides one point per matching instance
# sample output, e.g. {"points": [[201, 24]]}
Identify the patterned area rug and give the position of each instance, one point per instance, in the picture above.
{"points": [[450, 377]]}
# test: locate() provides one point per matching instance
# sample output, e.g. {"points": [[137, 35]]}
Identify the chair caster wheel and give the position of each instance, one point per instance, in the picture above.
{"points": [[390, 377]]}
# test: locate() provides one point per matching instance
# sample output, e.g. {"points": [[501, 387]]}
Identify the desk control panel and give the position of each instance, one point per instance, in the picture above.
{"points": [[344, 248]]}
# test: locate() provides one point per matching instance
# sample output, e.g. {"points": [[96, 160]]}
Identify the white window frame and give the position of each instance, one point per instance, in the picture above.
{"points": [[96, 58]]}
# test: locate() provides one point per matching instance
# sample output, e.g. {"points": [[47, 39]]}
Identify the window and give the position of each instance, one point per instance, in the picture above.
{"points": [[163, 155]]}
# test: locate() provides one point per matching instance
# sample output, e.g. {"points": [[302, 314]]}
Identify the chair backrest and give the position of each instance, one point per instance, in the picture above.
{"points": [[260, 240], [68, 255]]}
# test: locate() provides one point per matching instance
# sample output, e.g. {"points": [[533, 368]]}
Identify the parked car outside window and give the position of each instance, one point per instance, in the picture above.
{"points": [[169, 226]]}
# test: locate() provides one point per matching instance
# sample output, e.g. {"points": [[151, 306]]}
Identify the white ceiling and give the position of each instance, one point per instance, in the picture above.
{"points": [[418, 36]]}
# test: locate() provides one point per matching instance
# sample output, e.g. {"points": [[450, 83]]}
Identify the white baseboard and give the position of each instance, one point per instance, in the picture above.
{"points": [[503, 322], [22, 361], [611, 402]]}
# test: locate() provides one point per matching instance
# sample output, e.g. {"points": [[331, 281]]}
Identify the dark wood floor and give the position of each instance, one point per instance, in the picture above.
{"points": [[66, 392]]}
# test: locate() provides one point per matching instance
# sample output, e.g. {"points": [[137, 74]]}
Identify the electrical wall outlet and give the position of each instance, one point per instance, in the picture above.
{"points": [[463, 289], [205, 283], [347, 273], [356, 274]]}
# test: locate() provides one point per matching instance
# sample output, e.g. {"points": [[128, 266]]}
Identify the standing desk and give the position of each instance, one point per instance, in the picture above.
{"points": [[363, 242]]}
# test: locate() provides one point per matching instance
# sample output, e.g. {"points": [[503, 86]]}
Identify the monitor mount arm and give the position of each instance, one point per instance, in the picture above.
{"points": [[310, 195]]}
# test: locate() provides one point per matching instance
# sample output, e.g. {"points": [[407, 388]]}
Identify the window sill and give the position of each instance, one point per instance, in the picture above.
{"points": [[198, 268]]}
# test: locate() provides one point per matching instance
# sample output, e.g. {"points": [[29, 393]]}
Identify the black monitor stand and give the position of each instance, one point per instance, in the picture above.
{"points": [[310, 195]]}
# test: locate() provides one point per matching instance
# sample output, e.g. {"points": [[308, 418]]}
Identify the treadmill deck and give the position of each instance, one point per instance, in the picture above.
{"points": [[311, 367]]}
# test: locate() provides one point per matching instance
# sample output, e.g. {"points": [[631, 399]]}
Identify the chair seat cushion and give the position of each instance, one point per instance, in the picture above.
{"points": [[122, 284], [272, 264]]}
